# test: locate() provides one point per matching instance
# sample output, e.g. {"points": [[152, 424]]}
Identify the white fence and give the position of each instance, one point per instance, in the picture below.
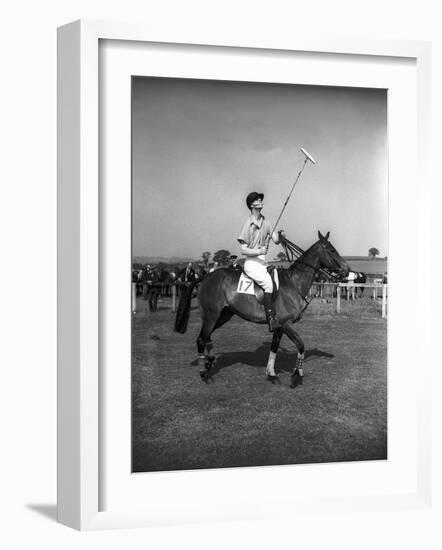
{"points": [[379, 291]]}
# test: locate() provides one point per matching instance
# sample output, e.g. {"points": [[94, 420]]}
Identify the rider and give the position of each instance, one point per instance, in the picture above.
{"points": [[254, 238]]}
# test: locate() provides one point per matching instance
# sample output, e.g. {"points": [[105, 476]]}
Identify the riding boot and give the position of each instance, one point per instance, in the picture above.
{"points": [[270, 312]]}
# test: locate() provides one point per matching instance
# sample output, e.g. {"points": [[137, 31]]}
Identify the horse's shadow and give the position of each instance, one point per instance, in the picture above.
{"points": [[258, 358]]}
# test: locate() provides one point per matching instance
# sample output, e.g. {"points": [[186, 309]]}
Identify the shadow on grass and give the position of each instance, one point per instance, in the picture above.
{"points": [[258, 358]]}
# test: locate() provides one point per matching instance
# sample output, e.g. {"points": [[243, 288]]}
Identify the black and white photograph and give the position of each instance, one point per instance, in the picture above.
{"points": [[259, 274], [226, 215]]}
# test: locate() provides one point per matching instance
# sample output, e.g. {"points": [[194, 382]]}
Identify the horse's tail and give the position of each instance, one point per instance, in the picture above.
{"points": [[183, 311]]}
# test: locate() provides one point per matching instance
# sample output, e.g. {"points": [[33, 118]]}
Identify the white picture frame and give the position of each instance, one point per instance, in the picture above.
{"points": [[79, 266]]}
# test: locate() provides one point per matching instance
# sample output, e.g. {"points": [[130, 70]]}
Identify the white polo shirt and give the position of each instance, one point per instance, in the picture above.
{"points": [[254, 233]]}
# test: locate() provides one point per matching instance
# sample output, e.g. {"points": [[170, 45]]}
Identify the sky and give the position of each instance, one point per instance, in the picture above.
{"points": [[199, 147]]}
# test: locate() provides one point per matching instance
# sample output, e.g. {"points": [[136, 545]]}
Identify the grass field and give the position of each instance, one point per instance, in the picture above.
{"points": [[338, 414]]}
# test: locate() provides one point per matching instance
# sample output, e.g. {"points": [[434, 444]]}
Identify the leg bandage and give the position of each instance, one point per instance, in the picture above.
{"points": [[271, 364], [202, 362], [300, 363]]}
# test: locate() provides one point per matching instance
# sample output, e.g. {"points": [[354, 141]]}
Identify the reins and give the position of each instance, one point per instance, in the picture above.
{"points": [[294, 253]]}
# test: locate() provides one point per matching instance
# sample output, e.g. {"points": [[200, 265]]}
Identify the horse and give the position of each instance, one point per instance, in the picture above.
{"points": [[219, 301], [361, 278]]}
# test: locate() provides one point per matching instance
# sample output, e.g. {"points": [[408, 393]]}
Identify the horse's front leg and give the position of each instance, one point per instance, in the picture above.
{"points": [[270, 369], [298, 369]]}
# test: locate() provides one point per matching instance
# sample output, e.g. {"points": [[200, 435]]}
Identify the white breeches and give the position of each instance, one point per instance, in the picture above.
{"points": [[257, 270]]}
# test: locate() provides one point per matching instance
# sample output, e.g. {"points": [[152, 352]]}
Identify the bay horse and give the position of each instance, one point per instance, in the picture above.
{"points": [[219, 301]]}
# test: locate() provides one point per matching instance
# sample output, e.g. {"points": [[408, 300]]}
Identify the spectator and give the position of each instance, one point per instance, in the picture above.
{"points": [[187, 275], [351, 282]]}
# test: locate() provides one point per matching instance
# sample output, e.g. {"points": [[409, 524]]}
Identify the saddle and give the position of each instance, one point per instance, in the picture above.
{"points": [[246, 285]]}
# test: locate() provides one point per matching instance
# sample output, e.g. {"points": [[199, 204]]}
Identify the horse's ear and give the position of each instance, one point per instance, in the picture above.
{"points": [[327, 236], [321, 238]]}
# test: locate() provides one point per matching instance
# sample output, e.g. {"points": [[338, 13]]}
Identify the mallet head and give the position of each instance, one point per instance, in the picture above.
{"points": [[308, 156]]}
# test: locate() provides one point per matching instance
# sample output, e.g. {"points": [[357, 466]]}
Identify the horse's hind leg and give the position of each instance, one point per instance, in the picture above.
{"points": [[270, 369], [298, 369], [203, 342]]}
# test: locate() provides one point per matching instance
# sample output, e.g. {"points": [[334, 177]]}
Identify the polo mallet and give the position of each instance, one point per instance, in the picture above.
{"points": [[307, 158]]}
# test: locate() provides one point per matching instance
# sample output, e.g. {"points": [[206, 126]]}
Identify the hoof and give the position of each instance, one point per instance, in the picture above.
{"points": [[296, 379], [205, 376], [273, 379], [206, 368]]}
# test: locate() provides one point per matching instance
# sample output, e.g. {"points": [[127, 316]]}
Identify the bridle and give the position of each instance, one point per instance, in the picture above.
{"points": [[333, 259], [294, 253]]}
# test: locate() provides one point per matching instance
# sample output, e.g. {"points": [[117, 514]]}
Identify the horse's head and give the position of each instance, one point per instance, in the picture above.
{"points": [[329, 257]]}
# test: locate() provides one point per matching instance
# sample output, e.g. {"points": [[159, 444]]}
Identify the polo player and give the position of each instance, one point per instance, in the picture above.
{"points": [[254, 239]]}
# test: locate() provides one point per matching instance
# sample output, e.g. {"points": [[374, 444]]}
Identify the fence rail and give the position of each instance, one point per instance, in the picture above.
{"points": [[315, 289], [351, 288]]}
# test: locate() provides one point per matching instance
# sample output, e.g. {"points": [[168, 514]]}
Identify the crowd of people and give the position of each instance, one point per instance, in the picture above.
{"points": [[153, 281], [160, 276]]}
